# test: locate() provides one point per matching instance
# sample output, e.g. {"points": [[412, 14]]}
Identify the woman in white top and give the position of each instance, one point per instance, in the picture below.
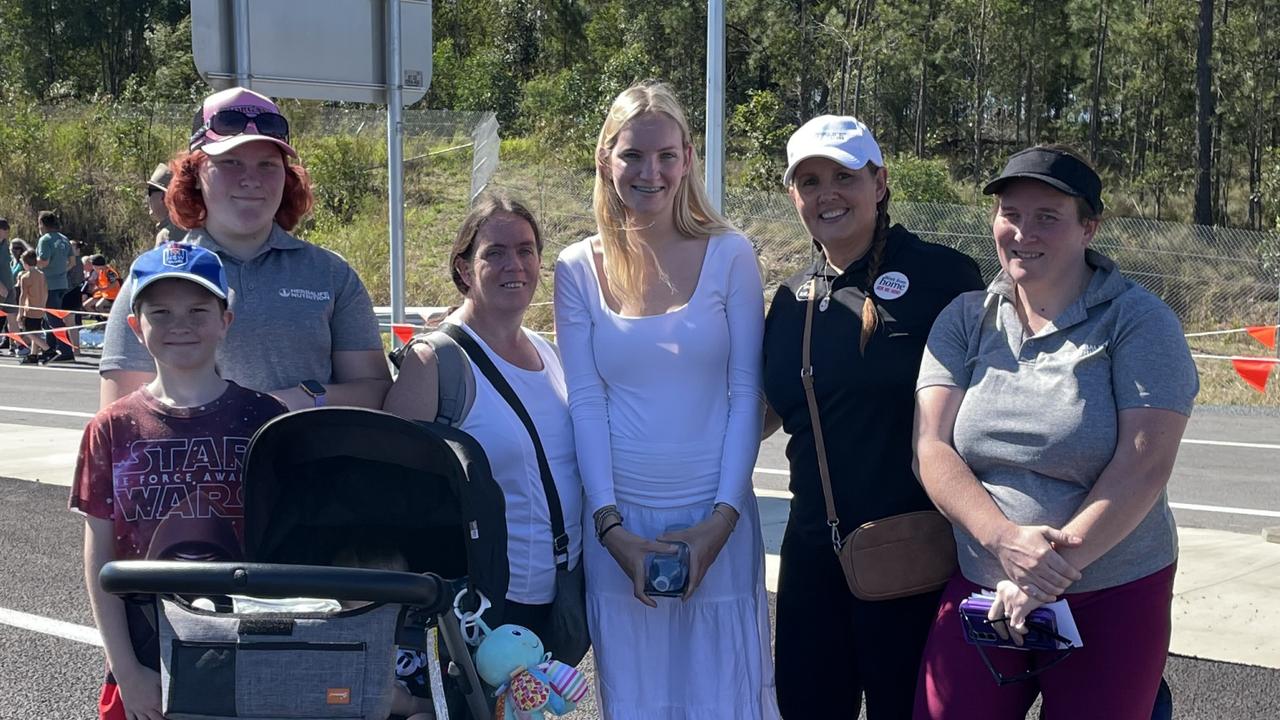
{"points": [[660, 319], [495, 263]]}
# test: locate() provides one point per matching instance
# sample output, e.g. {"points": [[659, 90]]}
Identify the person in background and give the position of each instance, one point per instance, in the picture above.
{"points": [[308, 334], [73, 299], [877, 289], [157, 187], [1049, 412], [56, 258], [659, 319], [17, 247], [32, 285], [7, 287], [103, 282]]}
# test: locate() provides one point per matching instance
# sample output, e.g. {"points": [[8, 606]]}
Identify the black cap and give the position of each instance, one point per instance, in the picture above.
{"points": [[1056, 168]]}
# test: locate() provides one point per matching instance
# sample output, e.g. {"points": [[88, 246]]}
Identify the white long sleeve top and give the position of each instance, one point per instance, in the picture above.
{"points": [[667, 409]]}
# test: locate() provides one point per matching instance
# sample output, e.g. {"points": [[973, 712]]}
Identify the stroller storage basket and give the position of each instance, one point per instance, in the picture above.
{"points": [[303, 666]]}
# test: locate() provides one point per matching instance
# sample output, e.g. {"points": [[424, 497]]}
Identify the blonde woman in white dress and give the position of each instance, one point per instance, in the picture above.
{"points": [[659, 319]]}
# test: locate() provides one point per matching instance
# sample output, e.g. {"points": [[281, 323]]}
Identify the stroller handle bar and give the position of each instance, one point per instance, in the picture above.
{"points": [[124, 577]]}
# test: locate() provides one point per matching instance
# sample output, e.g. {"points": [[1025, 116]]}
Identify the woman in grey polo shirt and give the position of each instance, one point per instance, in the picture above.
{"points": [[305, 329], [1049, 412]]}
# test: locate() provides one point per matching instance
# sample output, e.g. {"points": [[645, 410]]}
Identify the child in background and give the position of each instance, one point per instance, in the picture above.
{"points": [[33, 289], [172, 449]]}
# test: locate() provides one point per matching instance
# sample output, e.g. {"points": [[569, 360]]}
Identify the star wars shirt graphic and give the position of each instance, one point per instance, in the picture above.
{"points": [[169, 478]]}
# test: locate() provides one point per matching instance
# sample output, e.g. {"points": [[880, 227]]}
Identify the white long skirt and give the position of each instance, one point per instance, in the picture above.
{"points": [[705, 659]]}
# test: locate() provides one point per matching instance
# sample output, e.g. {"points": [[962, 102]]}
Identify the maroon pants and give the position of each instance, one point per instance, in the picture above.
{"points": [[1125, 631]]}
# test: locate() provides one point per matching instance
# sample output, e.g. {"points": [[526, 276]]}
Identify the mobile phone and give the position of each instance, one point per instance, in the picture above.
{"points": [[1042, 627], [667, 574]]}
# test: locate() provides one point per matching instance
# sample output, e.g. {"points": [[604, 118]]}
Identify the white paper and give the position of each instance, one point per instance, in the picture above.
{"points": [[1066, 624]]}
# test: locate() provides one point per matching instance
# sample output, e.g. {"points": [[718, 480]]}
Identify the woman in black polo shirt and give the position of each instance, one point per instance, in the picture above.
{"points": [[875, 292]]}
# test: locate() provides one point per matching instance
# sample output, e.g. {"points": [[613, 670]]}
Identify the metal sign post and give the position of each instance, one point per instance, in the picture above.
{"points": [[395, 163], [715, 104], [240, 19]]}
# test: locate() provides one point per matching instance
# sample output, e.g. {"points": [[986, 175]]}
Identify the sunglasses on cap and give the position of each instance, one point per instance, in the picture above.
{"points": [[233, 122]]}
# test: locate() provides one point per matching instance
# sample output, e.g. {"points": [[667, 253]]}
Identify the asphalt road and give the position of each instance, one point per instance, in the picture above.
{"points": [[1206, 474], [40, 568]]}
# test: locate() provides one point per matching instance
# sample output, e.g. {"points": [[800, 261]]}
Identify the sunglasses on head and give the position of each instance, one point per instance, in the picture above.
{"points": [[234, 122]]}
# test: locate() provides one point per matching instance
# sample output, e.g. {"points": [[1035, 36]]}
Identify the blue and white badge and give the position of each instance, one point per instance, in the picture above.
{"points": [[891, 285], [174, 255]]}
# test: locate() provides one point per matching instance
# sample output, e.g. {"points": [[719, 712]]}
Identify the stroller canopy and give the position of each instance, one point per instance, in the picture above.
{"points": [[324, 481]]}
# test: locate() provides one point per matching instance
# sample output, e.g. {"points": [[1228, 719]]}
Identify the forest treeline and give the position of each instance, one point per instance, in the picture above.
{"points": [[1178, 101]]}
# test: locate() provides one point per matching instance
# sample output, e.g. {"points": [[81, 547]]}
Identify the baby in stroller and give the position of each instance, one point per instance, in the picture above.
{"points": [[326, 488]]}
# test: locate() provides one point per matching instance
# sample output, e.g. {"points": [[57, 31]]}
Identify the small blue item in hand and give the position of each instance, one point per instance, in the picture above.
{"points": [[668, 573]]}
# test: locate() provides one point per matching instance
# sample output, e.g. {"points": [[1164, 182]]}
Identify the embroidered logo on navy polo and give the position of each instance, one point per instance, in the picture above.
{"points": [[304, 294]]}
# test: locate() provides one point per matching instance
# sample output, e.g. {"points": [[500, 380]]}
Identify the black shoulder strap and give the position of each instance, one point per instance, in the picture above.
{"points": [[560, 540]]}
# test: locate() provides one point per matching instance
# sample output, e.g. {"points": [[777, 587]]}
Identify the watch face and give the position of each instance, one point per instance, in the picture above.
{"points": [[312, 387]]}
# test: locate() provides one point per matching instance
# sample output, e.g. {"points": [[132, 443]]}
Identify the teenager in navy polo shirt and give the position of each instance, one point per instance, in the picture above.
{"points": [[877, 289], [305, 331]]}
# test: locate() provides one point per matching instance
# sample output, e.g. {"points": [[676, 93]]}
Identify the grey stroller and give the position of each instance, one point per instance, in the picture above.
{"points": [[313, 481]]}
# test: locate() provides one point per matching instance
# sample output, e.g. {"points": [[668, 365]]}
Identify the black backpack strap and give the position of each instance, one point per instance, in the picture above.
{"points": [[560, 539]]}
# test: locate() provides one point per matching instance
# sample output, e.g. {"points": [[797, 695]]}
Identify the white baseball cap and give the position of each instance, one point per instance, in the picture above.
{"points": [[842, 138]]}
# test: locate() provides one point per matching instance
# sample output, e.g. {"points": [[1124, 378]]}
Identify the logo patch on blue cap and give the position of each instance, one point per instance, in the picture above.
{"points": [[174, 256]]}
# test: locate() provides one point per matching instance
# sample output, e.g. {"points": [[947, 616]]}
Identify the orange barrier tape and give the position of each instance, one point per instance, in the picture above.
{"points": [[57, 312]]}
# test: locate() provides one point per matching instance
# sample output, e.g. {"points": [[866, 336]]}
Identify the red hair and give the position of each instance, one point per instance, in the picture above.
{"points": [[186, 203]]}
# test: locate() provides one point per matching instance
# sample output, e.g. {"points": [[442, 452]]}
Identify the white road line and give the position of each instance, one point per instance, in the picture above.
{"points": [[50, 368], [42, 411], [49, 626], [1228, 443], [771, 471], [1225, 510]]}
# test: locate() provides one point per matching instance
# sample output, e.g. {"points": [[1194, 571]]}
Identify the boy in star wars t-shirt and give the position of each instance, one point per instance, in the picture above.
{"points": [[159, 472]]}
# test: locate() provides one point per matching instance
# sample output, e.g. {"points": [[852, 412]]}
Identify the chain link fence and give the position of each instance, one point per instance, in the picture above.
{"points": [[1213, 278]]}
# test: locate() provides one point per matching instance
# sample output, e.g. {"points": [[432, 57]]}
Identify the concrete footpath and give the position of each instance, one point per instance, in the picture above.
{"points": [[1226, 596]]}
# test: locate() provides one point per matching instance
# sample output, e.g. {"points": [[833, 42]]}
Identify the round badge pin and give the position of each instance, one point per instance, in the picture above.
{"points": [[891, 285]]}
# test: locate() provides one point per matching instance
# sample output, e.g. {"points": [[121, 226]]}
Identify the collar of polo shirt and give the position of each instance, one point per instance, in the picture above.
{"points": [[279, 239], [1105, 285]]}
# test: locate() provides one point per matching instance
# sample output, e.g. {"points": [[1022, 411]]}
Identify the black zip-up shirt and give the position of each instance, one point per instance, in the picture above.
{"points": [[866, 402]]}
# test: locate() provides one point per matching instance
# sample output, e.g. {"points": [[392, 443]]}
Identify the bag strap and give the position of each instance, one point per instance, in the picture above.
{"points": [[806, 379], [560, 539]]}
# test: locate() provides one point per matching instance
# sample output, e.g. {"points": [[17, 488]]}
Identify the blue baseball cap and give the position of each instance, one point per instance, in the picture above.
{"points": [[179, 260]]}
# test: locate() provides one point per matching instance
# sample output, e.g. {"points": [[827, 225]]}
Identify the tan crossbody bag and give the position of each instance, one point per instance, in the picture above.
{"points": [[894, 557]]}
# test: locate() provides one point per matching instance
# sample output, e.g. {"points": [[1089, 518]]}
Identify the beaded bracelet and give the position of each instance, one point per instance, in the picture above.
{"points": [[600, 535], [601, 517]]}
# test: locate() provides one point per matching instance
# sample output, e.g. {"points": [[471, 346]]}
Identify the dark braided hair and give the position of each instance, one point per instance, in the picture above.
{"points": [[878, 242]]}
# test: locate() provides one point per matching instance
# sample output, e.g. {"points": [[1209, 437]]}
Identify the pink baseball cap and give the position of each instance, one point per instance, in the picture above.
{"points": [[216, 134]]}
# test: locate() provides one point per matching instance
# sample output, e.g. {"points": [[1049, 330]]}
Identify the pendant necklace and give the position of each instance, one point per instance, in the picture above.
{"points": [[830, 283]]}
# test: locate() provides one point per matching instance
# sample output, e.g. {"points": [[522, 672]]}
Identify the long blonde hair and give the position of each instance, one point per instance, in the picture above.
{"points": [[693, 214]]}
